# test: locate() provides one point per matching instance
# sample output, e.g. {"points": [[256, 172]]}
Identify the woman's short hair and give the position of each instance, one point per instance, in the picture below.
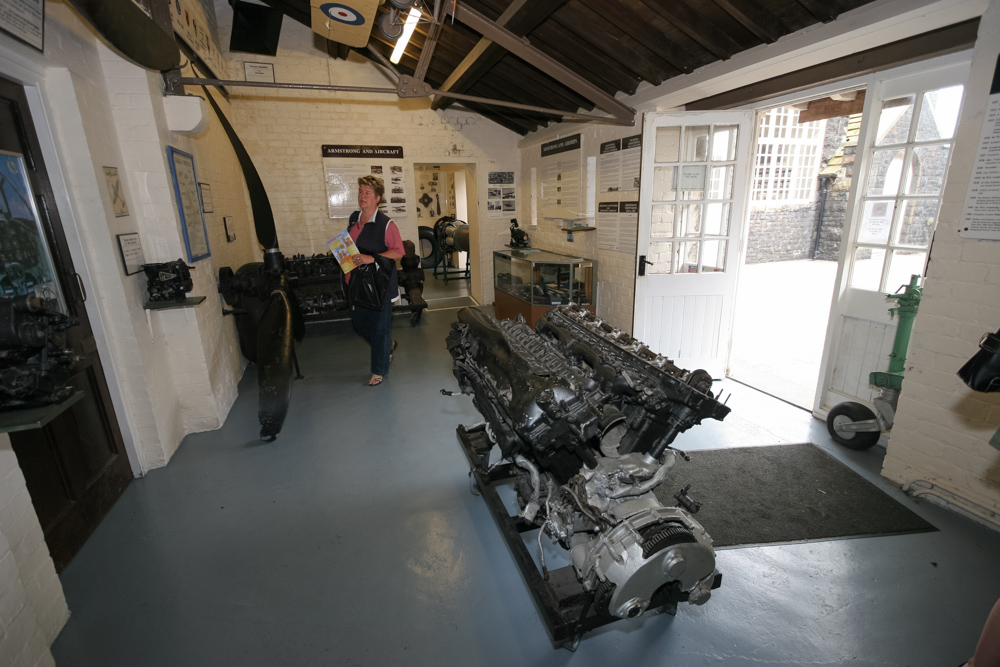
{"points": [[375, 183]]}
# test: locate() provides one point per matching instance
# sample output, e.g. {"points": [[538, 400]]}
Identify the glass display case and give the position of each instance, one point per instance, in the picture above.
{"points": [[530, 281]]}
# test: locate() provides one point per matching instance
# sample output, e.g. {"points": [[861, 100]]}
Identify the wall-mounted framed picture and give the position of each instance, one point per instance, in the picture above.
{"points": [[206, 198], [189, 204], [115, 192], [131, 250], [227, 222]]}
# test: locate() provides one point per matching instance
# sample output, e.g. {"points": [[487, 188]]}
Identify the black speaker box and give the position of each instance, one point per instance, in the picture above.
{"points": [[256, 28]]}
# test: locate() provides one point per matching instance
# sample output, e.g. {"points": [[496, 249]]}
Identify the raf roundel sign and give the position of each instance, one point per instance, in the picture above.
{"points": [[342, 13]]}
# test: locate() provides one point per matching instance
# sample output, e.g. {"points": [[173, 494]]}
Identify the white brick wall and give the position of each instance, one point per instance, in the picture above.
{"points": [[942, 427], [32, 607], [615, 270]]}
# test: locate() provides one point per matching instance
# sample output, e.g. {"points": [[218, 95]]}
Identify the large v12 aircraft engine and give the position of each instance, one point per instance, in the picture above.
{"points": [[586, 414]]}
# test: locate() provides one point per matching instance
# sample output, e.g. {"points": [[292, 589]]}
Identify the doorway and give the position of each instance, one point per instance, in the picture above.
{"points": [[803, 166], [75, 467], [446, 206]]}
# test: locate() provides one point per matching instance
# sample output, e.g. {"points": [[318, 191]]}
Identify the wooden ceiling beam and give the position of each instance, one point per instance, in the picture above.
{"points": [[625, 19], [822, 10], [758, 20], [619, 47], [712, 39], [518, 75], [564, 48], [520, 18]]}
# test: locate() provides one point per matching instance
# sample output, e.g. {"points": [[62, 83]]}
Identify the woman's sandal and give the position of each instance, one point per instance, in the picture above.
{"points": [[376, 379]]}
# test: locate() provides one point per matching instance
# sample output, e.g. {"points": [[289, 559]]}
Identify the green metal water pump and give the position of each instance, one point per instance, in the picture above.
{"points": [[854, 425]]}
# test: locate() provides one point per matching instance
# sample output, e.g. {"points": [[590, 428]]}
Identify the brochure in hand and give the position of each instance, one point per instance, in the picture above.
{"points": [[343, 248]]}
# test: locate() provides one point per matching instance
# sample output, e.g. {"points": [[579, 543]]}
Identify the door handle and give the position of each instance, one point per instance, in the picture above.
{"points": [[83, 290], [642, 264]]}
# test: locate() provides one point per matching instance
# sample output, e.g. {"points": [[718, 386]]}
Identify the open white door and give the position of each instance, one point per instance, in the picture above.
{"points": [[903, 156], [695, 175]]}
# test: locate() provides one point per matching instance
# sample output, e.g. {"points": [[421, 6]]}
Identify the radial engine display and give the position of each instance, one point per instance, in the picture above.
{"points": [[586, 413]]}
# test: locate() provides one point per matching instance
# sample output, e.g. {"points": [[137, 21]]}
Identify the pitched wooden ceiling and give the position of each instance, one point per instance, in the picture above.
{"points": [[614, 45]]}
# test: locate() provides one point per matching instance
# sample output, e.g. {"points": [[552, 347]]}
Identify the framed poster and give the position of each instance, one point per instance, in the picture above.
{"points": [[24, 20], [114, 182], [189, 204], [206, 198], [131, 250]]}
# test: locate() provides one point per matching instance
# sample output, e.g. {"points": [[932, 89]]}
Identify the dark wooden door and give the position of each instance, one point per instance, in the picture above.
{"points": [[76, 466]]}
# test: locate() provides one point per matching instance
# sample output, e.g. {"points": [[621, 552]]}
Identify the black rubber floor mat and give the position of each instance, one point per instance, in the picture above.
{"points": [[784, 493]]}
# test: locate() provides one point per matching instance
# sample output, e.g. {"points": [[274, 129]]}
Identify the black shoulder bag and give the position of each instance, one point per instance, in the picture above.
{"points": [[369, 283]]}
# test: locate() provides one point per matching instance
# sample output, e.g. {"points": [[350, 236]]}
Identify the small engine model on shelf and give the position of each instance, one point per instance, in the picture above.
{"points": [[518, 237], [34, 360], [168, 281], [583, 416]]}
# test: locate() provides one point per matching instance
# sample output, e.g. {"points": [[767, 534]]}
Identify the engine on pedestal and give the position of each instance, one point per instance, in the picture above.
{"points": [[588, 413]]}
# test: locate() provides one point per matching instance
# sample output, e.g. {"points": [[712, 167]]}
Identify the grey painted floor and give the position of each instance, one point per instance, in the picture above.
{"points": [[353, 540]]}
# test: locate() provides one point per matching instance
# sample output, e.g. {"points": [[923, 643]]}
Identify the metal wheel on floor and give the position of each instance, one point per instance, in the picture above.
{"points": [[848, 413]]}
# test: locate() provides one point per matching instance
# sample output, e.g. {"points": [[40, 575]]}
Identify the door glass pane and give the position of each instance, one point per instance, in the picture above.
{"points": [[717, 219], [662, 224], [696, 143], [660, 256], [713, 256], [876, 222], [687, 257], [720, 185], [894, 121], [885, 173], [668, 144], [928, 165], [25, 264], [664, 183], [724, 142], [939, 114], [902, 265], [693, 181], [867, 273], [916, 222], [690, 220]]}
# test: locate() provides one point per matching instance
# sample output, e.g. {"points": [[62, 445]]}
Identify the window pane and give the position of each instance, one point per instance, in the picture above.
{"points": [[885, 173], [662, 224], [713, 256], [720, 185], [690, 220], [927, 169], [660, 256], [939, 114], [664, 183], [687, 257], [724, 142], [894, 121], [693, 181], [867, 271], [717, 219], [668, 144], [916, 222], [876, 222], [696, 143], [902, 265]]}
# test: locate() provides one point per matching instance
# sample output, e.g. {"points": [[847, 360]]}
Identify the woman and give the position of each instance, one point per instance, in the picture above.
{"points": [[375, 234]]}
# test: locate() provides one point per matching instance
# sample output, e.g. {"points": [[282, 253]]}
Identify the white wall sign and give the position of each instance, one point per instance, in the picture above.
{"points": [[24, 20], [343, 165], [261, 72], [981, 215]]}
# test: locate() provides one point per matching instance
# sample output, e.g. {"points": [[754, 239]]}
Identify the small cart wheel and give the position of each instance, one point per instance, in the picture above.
{"points": [[848, 413]]}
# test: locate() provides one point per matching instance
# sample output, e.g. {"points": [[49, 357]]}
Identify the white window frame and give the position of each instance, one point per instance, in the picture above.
{"points": [[781, 136]]}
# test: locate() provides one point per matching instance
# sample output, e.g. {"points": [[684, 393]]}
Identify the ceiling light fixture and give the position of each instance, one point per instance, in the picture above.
{"points": [[404, 39]]}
